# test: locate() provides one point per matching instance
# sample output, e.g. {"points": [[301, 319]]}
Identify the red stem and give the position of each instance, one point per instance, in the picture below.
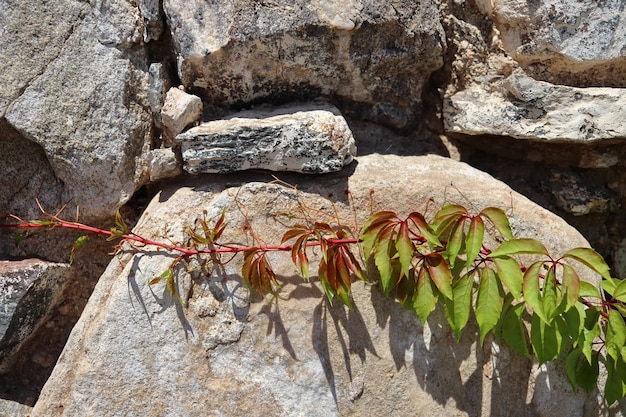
{"points": [[185, 251]]}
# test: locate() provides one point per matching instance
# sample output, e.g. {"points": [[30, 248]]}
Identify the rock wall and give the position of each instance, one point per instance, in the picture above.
{"points": [[106, 102]]}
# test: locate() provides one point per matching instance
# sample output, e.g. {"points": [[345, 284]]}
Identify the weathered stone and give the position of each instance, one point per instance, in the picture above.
{"points": [[574, 197], [179, 111], [153, 23], [555, 39], [521, 107], [231, 354], [28, 289], [88, 110], [312, 138], [158, 87], [164, 164], [32, 35], [379, 54], [14, 409]]}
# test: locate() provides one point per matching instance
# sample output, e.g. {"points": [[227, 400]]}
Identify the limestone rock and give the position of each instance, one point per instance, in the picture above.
{"points": [[521, 107], [87, 107], [164, 164], [308, 138], [27, 291], [231, 354], [180, 109], [379, 54], [555, 39]]}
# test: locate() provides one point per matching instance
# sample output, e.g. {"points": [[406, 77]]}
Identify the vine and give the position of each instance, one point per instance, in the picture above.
{"points": [[541, 310]]}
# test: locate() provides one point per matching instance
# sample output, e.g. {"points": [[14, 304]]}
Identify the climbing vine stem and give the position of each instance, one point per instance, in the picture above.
{"points": [[543, 310]]}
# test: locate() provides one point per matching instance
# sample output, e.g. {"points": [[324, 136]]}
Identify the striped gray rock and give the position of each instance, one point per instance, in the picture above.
{"points": [[308, 138]]}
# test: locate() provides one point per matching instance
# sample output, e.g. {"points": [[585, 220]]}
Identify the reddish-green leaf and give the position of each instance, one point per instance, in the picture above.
{"points": [[446, 216], [440, 273], [510, 274], [499, 219], [258, 273], [423, 227], [489, 302], [371, 230], [474, 241], [571, 285], [405, 248], [591, 259], [458, 308], [532, 295], [519, 247]]}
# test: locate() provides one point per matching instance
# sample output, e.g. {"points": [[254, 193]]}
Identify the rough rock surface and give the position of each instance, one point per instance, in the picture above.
{"points": [[376, 53], [582, 42], [179, 110], [28, 288], [85, 103], [308, 138], [522, 107], [135, 352]]}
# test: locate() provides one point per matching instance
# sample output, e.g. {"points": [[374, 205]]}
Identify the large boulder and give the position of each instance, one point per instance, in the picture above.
{"points": [[137, 352], [77, 88], [378, 54], [564, 41]]}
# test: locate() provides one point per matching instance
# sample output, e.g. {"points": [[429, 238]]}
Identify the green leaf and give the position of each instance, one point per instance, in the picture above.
{"points": [[489, 302], [511, 275], [499, 219], [615, 334], [458, 308], [575, 319], [532, 295], [619, 292], [382, 258], [426, 296], [591, 332], [455, 242], [405, 248], [609, 284], [571, 285], [519, 247], [614, 388], [580, 372], [590, 258], [474, 241], [513, 330], [548, 341], [440, 273], [446, 216], [587, 289], [552, 300], [79, 242]]}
